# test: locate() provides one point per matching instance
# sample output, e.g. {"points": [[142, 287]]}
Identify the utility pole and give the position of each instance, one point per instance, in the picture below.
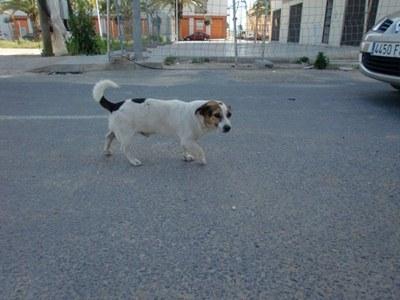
{"points": [[271, 14], [137, 30], [45, 26], [367, 11], [264, 29], [234, 32], [108, 31], [176, 20]]}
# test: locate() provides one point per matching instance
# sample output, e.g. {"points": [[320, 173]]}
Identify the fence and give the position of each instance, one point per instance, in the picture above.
{"points": [[245, 29]]}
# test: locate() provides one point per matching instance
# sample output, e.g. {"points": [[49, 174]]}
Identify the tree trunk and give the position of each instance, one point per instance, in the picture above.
{"points": [[45, 26], [256, 29], [35, 25]]}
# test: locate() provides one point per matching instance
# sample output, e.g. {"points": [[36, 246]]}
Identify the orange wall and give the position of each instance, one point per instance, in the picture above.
{"points": [[218, 26], [18, 23], [114, 27]]}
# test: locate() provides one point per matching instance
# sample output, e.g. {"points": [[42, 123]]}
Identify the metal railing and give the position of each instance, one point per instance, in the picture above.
{"points": [[241, 29]]}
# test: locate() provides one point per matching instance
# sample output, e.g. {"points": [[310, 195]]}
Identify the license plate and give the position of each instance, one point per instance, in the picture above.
{"points": [[386, 49]]}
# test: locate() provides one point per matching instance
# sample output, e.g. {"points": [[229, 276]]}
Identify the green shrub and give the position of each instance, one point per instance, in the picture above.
{"points": [[200, 60], [83, 39], [321, 62], [303, 60], [170, 60]]}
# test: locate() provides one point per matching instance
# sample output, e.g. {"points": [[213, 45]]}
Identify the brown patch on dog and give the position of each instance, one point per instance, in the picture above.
{"points": [[211, 112]]}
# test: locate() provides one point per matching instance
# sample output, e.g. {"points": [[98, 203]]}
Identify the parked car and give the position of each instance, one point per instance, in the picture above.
{"points": [[380, 51], [197, 36]]}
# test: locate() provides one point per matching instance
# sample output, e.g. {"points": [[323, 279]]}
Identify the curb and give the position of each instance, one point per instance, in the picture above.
{"points": [[82, 68]]}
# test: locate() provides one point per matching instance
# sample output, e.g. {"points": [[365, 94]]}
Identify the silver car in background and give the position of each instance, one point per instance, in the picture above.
{"points": [[380, 51]]}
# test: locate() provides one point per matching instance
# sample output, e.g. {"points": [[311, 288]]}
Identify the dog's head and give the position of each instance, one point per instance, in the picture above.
{"points": [[215, 114]]}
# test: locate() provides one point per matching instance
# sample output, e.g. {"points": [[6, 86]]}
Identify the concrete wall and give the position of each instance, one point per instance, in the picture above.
{"points": [[313, 17], [214, 8], [387, 7], [312, 21]]}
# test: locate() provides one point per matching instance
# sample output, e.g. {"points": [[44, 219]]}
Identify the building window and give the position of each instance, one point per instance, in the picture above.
{"points": [[295, 23], [327, 23], [353, 22]]}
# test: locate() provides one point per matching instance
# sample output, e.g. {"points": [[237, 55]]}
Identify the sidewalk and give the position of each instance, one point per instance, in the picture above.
{"points": [[19, 61]]}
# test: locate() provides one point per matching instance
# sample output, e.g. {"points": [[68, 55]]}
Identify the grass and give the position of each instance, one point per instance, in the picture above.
{"points": [[20, 44]]}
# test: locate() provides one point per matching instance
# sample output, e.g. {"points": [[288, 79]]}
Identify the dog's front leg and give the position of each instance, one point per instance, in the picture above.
{"points": [[191, 147], [186, 155]]}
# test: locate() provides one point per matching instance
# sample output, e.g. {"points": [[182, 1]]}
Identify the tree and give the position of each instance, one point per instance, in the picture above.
{"points": [[258, 10], [45, 25], [83, 39], [27, 6]]}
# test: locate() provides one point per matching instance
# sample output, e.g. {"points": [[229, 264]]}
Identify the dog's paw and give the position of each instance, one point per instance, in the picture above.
{"points": [[188, 158], [203, 161], [135, 162]]}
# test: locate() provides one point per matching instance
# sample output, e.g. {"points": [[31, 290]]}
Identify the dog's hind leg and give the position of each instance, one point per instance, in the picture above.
{"points": [[107, 146], [126, 145]]}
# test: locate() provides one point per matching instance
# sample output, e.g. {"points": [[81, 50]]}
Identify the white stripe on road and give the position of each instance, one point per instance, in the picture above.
{"points": [[66, 117]]}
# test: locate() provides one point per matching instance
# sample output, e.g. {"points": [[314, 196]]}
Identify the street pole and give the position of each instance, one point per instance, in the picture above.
{"points": [[272, 20], [108, 31], [176, 20], [367, 10], [137, 30], [264, 29], [234, 32]]}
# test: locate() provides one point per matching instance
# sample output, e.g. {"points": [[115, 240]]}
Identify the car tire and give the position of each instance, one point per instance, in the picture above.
{"points": [[397, 87]]}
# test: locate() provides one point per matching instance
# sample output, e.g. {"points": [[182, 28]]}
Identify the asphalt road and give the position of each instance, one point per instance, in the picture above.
{"points": [[300, 200]]}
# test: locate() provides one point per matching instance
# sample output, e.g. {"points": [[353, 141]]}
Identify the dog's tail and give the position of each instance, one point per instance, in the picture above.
{"points": [[98, 94]]}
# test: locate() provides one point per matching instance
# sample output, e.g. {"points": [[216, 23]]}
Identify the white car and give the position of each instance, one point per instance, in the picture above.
{"points": [[380, 51]]}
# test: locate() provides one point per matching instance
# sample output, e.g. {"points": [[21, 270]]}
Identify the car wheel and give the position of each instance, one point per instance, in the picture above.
{"points": [[396, 86]]}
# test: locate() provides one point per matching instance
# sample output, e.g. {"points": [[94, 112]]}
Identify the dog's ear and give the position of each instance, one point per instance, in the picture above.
{"points": [[204, 110]]}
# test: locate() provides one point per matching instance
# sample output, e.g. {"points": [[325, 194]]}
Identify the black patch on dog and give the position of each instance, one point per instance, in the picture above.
{"points": [[109, 105], [138, 100], [204, 110]]}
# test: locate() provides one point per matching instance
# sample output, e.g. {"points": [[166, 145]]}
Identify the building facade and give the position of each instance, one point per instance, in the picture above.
{"points": [[209, 18], [330, 22], [15, 25]]}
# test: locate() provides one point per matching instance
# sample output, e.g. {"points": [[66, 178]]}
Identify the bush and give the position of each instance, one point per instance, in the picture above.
{"points": [[83, 39], [200, 60], [303, 60], [321, 62], [169, 60]]}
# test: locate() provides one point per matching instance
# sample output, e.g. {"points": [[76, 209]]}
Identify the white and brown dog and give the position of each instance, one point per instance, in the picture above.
{"points": [[187, 121]]}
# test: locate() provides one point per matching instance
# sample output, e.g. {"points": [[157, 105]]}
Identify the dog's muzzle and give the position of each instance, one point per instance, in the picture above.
{"points": [[226, 128]]}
